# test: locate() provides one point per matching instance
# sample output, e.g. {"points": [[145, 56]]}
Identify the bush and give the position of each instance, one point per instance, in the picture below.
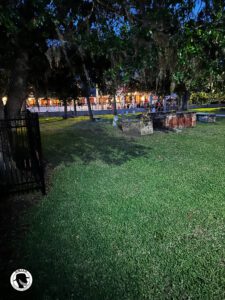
{"points": [[207, 98]]}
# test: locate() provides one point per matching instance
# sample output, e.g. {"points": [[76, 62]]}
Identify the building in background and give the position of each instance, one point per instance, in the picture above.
{"points": [[124, 99]]}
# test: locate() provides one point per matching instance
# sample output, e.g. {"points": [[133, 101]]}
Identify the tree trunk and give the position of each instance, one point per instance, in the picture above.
{"points": [[2, 115], [179, 102], [89, 108], [88, 81], [114, 105], [65, 109], [75, 107], [37, 103], [36, 97], [18, 86], [185, 99], [23, 107]]}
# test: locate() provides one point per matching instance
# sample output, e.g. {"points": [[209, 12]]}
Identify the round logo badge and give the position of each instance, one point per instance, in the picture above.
{"points": [[21, 280]]}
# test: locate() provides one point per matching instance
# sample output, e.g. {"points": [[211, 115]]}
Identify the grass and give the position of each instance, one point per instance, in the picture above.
{"points": [[44, 120], [129, 217], [215, 110]]}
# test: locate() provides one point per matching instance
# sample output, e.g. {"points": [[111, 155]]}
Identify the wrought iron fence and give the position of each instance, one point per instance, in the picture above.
{"points": [[21, 164]]}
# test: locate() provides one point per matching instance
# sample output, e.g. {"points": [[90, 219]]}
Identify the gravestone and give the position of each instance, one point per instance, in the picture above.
{"points": [[115, 120], [179, 120], [141, 126], [206, 118]]}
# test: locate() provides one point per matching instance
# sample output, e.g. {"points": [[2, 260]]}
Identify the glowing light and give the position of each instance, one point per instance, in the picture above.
{"points": [[4, 100]]}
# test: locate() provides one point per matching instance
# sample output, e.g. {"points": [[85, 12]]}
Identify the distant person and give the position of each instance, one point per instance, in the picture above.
{"points": [[158, 106]]}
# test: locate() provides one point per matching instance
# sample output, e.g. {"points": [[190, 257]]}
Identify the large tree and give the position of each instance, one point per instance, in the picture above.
{"points": [[25, 26], [154, 45], [201, 42]]}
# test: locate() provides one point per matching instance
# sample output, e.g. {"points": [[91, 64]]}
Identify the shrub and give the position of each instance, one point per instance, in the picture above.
{"points": [[207, 98]]}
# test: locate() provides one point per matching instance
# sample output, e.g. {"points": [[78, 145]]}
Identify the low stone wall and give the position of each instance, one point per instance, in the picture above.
{"points": [[180, 120], [142, 126], [206, 118], [174, 120]]}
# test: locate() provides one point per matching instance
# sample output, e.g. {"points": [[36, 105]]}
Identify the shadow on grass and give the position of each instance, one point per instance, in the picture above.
{"points": [[86, 142], [87, 265]]}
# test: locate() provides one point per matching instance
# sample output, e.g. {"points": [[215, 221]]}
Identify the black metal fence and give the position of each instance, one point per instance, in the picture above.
{"points": [[21, 164]]}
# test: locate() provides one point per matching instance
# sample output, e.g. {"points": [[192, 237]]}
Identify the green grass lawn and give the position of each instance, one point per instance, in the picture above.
{"points": [[214, 110], [129, 217]]}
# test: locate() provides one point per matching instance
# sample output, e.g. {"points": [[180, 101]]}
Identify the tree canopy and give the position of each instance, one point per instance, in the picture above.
{"points": [[160, 46]]}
